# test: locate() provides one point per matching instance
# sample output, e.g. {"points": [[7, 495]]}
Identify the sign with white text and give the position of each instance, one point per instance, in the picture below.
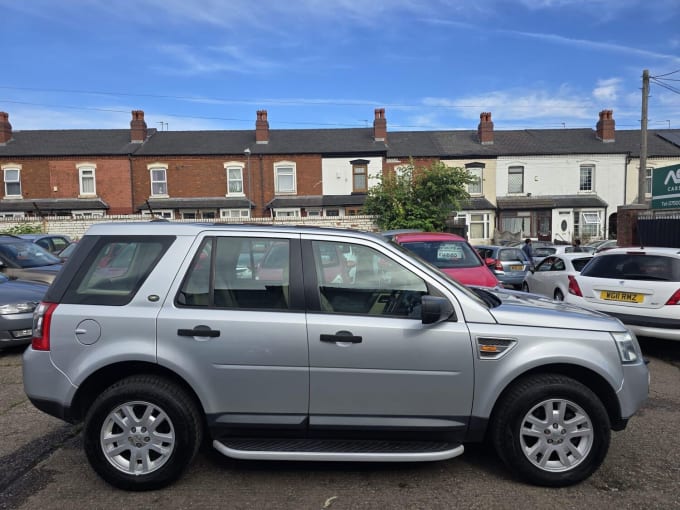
{"points": [[666, 187]]}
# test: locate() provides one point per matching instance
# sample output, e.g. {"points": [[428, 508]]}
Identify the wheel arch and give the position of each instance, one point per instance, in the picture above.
{"points": [[595, 382], [98, 381]]}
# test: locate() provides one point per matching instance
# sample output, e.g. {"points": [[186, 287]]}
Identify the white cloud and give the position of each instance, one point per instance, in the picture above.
{"points": [[607, 90]]}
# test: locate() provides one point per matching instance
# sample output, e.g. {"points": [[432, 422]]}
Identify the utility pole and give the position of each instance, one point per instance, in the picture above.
{"points": [[642, 172]]}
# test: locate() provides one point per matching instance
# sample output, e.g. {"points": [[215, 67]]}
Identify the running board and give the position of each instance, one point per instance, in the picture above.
{"points": [[337, 450]]}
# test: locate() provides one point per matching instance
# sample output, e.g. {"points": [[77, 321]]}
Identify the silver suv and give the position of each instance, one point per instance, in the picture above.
{"points": [[158, 335]]}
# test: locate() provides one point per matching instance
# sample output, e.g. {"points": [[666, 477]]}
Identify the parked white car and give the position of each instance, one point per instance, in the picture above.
{"points": [[639, 286], [551, 276]]}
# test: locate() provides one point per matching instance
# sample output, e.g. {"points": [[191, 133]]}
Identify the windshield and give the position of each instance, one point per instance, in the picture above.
{"points": [[27, 254], [462, 288]]}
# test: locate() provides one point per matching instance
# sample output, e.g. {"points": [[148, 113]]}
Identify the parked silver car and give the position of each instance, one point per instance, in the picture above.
{"points": [[398, 363]]}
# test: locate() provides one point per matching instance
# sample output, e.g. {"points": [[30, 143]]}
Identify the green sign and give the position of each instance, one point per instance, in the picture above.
{"points": [[666, 187]]}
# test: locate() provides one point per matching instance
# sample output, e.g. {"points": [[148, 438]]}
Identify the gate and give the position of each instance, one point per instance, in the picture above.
{"points": [[656, 230]]}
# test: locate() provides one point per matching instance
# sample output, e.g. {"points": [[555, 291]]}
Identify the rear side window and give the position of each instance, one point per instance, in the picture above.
{"points": [[579, 264], [634, 267], [115, 269], [238, 272]]}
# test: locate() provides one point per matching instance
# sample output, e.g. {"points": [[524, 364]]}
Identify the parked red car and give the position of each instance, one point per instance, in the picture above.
{"points": [[450, 253]]}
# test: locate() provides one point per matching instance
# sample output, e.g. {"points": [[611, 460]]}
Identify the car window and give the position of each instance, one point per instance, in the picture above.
{"points": [[115, 269], [374, 285], [546, 264], [27, 254], [558, 265], [510, 255], [445, 254], [238, 272], [626, 266], [579, 264], [543, 252]]}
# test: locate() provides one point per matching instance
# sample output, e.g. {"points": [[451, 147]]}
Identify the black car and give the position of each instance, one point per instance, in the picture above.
{"points": [[18, 299], [20, 258]]}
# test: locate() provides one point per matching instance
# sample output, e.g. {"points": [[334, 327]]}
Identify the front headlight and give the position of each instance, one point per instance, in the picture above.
{"points": [[629, 352], [14, 308]]}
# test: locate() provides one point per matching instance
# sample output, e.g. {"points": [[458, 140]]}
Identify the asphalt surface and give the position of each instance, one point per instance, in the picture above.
{"points": [[43, 466]]}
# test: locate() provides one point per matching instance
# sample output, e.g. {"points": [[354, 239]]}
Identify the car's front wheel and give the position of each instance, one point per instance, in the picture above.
{"points": [[142, 432], [551, 430]]}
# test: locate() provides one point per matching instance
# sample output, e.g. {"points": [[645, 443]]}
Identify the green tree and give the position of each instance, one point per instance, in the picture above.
{"points": [[419, 198]]}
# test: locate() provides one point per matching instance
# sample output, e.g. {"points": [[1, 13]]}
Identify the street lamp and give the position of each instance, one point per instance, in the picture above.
{"points": [[246, 151]]}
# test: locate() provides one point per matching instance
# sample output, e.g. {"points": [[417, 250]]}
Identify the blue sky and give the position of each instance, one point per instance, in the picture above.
{"points": [[432, 64]]}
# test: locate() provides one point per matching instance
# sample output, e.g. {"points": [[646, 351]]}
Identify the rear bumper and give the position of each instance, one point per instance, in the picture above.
{"points": [[47, 387]]}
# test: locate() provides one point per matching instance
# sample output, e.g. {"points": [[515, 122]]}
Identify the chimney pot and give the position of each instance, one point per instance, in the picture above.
{"points": [[5, 128], [138, 129], [606, 127], [262, 127], [380, 126], [485, 129]]}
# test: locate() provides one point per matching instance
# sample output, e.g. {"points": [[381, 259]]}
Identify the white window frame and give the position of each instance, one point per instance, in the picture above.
{"points": [[314, 212], [591, 178], [287, 212], [154, 167], [82, 169], [648, 181], [12, 214], [12, 168], [285, 169], [478, 174], [514, 170], [163, 213], [485, 222], [234, 214], [88, 213], [235, 165], [340, 211]]}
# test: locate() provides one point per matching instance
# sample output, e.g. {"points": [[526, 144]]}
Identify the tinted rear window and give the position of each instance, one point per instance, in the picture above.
{"points": [[634, 267], [115, 269]]}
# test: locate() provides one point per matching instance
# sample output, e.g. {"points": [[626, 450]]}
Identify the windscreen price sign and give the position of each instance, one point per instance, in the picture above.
{"points": [[666, 187]]}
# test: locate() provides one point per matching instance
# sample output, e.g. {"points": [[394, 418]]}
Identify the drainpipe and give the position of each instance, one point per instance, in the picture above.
{"points": [[262, 182], [132, 185]]}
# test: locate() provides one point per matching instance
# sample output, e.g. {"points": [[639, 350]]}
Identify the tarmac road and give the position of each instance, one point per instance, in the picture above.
{"points": [[43, 466]]}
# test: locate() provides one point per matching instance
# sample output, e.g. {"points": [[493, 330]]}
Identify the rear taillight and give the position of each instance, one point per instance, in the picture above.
{"points": [[42, 319], [498, 266], [574, 288], [674, 299]]}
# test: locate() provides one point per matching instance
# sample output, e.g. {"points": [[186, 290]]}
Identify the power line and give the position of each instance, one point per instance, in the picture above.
{"points": [[667, 74]]}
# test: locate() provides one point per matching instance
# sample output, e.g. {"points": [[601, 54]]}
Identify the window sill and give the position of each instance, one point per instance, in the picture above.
{"points": [[13, 197]]}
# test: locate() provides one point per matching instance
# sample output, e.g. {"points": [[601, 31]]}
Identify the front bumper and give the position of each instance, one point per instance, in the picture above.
{"points": [[634, 391]]}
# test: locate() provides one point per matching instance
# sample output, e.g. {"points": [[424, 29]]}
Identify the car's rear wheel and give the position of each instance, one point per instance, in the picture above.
{"points": [[142, 432], [551, 430], [558, 295], [525, 287]]}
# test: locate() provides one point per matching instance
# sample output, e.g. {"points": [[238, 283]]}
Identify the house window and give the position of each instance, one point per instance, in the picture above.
{"points": [[479, 226], [313, 212], [88, 214], [332, 212], [587, 176], [12, 215], [232, 214], [12, 182], [516, 179], [235, 179], [284, 177], [287, 213], [475, 187], [648, 181], [587, 224], [87, 180], [168, 214], [159, 182], [359, 178], [353, 211]]}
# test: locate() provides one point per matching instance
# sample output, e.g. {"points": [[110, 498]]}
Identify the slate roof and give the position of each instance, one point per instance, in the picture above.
{"points": [[317, 201], [196, 203], [70, 142], [550, 202], [48, 205]]}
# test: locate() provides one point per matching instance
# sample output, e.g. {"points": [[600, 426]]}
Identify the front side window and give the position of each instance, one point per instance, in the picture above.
{"points": [[475, 187], [516, 179], [87, 180], [357, 279], [238, 273], [159, 182], [12, 182], [284, 177], [587, 174], [234, 180]]}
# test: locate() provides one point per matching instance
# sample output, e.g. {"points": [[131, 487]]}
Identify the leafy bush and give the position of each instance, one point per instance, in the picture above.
{"points": [[24, 228]]}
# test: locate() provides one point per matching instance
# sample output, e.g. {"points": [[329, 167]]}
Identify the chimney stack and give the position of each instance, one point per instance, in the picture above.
{"points": [[138, 129], [380, 126], [5, 128], [485, 129], [262, 127], [606, 126]]}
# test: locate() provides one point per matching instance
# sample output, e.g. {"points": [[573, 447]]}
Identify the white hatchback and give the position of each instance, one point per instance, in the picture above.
{"points": [[639, 286], [551, 276]]}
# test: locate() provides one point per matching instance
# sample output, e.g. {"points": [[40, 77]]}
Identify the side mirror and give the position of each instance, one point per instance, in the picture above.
{"points": [[435, 309]]}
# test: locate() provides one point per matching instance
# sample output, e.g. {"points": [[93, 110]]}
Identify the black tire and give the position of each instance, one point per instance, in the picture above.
{"points": [[525, 287], [558, 295], [174, 428], [512, 432]]}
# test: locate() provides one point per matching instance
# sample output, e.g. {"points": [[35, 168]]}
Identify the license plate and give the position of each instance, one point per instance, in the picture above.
{"points": [[626, 297], [516, 268]]}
